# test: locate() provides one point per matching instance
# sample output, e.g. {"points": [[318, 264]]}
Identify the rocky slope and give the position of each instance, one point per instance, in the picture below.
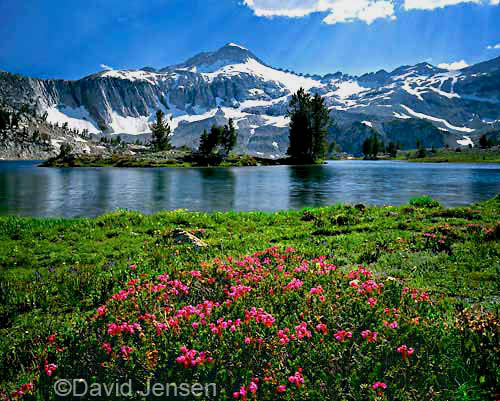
{"points": [[412, 102]]}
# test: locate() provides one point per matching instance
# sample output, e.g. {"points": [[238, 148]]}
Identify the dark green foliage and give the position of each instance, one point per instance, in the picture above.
{"points": [[160, 133], [408, 131], [484, 142], [65, 151], [209, 141], [14, 120], [224, 137], [308, 127], [421, 151], [392, 149], [228, 136], [4, 119], [372, 146]]}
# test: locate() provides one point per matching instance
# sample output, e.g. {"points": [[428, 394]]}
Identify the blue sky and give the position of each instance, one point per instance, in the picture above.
{"points": [[70, 39]]}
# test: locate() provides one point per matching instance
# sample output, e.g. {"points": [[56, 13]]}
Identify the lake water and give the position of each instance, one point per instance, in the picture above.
{"points": [[27, 190]]}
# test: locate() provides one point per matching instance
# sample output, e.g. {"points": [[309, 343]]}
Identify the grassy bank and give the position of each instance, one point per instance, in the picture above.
{"points": [[450, 156], [116, 298]]}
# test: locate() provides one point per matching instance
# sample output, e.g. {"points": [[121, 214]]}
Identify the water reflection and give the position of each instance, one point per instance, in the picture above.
{"points": [[28, 190]]}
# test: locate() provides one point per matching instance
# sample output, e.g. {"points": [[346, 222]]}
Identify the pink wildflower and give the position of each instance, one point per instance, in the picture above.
{"points": [[49, 368], [281, 388], [405, 351], [342, 335]]}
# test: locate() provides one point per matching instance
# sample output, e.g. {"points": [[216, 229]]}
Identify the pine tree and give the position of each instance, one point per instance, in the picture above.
{"points": [[421, 152], [160, 133], [300, 133], [367, 147], [309, 122], [4, 119], [372, 146], [320, 123], [483, 142], [228, 137], [209, 141]]}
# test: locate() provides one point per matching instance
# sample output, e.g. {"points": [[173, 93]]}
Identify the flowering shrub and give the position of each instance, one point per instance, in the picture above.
{"points": [[269, 326]]}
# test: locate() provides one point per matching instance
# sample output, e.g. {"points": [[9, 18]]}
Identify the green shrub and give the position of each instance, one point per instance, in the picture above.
{"points": [[424, 201]]}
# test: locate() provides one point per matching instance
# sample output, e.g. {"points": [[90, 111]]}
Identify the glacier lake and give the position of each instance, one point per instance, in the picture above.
{"points": [[27, 190]]}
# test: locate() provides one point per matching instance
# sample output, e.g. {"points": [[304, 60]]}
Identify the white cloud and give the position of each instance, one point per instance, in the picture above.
{"points": [[347, 10], [457, 65], [106, 67], [338, 10], [433, 4], [494, 47]]}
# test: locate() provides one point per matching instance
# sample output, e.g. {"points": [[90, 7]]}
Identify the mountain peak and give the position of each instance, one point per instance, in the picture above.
{"points": [[232, 44], [231, 53]]}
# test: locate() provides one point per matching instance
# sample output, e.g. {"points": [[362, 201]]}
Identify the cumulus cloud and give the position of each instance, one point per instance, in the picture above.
{"points": [[457, 65], [106, 67], [348, 10], [338, 10], [433, 4], [494, 47]]}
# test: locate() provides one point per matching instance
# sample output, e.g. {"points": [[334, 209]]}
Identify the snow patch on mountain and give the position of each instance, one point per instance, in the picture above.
{"points": [[132, 76], [77, 118], [251, 66], [466, 141], [437, 120], [346, 89], [236, 45], [130, 125]]}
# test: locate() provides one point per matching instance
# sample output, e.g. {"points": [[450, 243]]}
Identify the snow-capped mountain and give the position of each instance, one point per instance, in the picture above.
{"points": [[422, 101]]}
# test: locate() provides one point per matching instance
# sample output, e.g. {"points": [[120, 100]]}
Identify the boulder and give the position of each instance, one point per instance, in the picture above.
{"points": [[184, 237]]}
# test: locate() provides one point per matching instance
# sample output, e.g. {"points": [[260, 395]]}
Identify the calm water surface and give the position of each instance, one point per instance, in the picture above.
{"points": [[31, 191]]}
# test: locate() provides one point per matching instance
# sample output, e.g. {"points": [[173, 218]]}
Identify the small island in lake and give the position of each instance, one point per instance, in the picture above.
{"points": [[307, 136]]}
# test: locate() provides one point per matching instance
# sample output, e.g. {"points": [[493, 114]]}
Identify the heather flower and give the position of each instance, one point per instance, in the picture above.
{"points": [[106, 347], [322, 328], [379, 387], [49, 368], [297, 378], [316, 291], [126, 351], [281, 388], [101, 310], [369, 335], [405, 351], [342, 335], [294, 284], [195, 274]]}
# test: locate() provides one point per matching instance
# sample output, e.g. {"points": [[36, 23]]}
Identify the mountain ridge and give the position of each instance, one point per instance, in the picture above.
{"points": [[232, 82]]}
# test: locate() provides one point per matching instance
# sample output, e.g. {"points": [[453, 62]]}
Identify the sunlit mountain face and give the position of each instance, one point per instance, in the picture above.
{"points": [[436, 105]]}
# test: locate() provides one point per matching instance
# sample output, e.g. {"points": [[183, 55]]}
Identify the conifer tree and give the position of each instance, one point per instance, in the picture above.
{"points": [[228, 137], [160, 133], [309, 122]]}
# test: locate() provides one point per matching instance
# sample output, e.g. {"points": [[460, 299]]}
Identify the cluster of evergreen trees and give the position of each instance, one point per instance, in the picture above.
{"points": [[309, 123], [485, 142], [372, 146], [8, 120], [113, 141], [220, 138]]}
